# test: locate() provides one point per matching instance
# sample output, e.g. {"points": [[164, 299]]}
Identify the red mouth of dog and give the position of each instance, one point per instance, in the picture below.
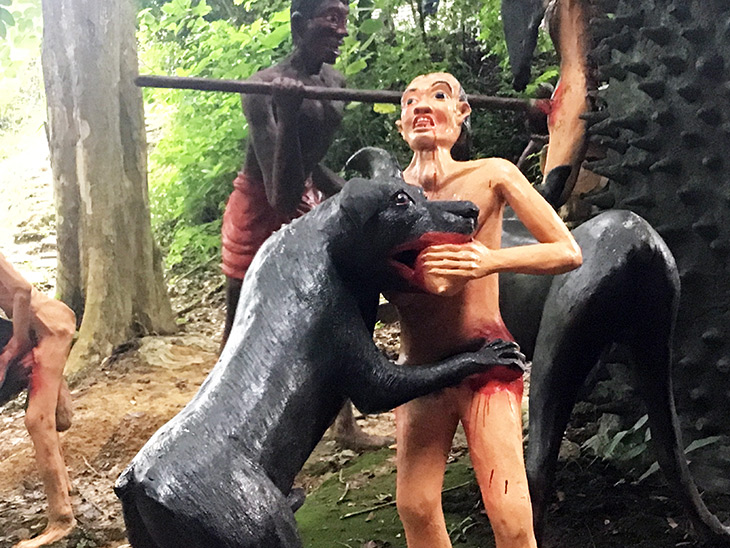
{"points": [[403, 258]]}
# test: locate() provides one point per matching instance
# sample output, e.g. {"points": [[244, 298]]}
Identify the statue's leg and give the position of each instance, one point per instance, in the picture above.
{"points": [[40, 419], [425, 428], [64, 408], [233, 293], [492, 419], [244, 510], [562, 360], [137, 533], [349, 434]]}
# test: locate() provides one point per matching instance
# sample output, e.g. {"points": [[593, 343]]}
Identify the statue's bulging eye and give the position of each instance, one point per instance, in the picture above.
{"points": [[440, 95], [402, 199]]}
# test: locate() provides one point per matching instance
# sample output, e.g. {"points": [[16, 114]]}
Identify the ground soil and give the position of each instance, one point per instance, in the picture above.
{"points": [[120, 403]]}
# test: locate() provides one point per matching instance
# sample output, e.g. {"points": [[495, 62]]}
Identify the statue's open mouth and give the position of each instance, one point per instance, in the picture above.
{"points": [[403, 258]]}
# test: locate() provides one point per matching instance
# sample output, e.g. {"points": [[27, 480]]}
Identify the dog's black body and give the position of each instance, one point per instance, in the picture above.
{"points": [[626, 293], [218, 474]]}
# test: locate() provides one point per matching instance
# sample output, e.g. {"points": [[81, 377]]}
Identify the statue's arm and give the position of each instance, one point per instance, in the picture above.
{"points": [[274, 135], [376, 384], [15, 300], [556, 251], [327, 180]]}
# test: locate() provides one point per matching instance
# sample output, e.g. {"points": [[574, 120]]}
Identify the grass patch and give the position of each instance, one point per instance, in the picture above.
{"points": [[367, 486]]}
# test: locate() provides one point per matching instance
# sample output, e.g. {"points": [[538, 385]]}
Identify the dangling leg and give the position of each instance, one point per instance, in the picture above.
{"points": [[493, 423], [40, 419], [424, 431]]}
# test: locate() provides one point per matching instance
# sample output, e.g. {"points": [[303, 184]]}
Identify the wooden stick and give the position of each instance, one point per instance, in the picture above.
{"points": [[318, 92]]}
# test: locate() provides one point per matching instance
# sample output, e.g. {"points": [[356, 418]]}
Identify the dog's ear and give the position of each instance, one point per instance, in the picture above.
{"points": [[360, 199]]}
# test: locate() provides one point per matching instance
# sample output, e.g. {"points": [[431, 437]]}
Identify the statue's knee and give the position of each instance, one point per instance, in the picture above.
{"points": [[418, 509], [39, 422]]}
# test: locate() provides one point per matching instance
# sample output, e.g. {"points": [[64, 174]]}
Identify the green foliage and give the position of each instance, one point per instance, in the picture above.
{"points": [[199, 138], [630, 448], [390, 43], [6, 18], [20, 71]]}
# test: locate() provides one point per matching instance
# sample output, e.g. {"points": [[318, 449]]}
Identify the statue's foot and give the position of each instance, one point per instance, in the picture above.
{"points": [[350, 435], [361, 440], [64, 408], [56, 530]]}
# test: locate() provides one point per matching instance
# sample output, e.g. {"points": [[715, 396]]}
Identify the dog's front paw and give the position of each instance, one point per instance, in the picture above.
{"points": [[500, 352]]}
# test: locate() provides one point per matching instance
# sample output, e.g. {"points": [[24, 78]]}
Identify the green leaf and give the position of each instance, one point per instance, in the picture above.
{"points": [[7, 17], [275, 38], [384, 108], [5, 2], [697, 444], [355, 67], [371, 26], [280, 16]]}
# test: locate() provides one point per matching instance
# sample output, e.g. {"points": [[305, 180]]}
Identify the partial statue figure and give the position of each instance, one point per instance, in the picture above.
{"points": [[282, 177], [463, 305], [33, 354]]}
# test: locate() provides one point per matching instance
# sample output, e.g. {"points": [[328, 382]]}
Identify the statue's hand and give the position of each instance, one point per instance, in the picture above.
{"points": [[288, 95], [447, 267], [499, 352]]}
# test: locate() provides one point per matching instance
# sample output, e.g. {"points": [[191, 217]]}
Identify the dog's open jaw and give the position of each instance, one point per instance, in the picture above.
{"points": [[403, 258]]}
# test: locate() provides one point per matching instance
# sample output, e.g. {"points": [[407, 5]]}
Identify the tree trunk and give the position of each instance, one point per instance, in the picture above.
{"points": [[109, 271]]}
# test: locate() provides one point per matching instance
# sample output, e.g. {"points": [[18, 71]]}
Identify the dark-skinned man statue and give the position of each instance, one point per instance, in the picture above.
{"points": [[282, 177]]}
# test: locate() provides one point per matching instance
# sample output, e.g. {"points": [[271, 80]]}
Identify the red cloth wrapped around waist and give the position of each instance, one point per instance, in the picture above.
{"points": [[249, 220]]}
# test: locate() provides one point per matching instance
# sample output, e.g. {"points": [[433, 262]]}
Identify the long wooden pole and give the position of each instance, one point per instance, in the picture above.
{"points": [[318, 92]]}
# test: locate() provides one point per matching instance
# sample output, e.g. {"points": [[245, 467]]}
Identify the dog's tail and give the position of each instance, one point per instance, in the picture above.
{"points": [[373, 162], [651, 345]]}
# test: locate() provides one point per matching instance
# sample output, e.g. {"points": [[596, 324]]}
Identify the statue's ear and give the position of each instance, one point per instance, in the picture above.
{"points": [[298, 23], [399, 125], [361, 199], [464, 111]]}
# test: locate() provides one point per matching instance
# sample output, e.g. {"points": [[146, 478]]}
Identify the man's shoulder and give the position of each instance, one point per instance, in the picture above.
{"points": [[498, 168], [269, 73]]}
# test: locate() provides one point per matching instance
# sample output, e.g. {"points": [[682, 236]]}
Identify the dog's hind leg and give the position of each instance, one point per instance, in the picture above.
{"points": [[238, 507], [561, 363], [655, 387]]}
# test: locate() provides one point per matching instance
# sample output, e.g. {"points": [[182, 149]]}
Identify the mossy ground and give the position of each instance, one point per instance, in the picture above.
{"points": [[366, 487]]}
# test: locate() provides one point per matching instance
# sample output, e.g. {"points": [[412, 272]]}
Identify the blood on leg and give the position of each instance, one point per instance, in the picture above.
{"points": [[493, 423]]}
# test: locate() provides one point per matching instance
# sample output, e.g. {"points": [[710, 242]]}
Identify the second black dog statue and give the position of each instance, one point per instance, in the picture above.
{"points": [[218, 474]]}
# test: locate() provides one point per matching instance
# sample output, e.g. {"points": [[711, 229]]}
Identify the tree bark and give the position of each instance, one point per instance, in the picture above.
{"points": [[109, 271]]}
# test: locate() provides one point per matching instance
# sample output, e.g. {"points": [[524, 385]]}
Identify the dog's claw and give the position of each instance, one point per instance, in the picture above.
{"points": [[501, 352]]}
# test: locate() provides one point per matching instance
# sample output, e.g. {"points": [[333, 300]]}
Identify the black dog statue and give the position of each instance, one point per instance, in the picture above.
{"points": [[218, 474]]}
